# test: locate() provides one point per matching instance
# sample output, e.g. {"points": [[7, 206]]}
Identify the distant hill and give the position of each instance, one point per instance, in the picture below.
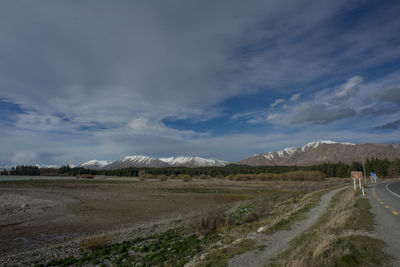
{"points": [[318, 152]]}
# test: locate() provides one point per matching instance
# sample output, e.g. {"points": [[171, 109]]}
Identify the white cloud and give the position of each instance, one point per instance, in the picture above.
{"points": [[41, 122], [295, 97], [154, 128], [272, 116], [350, 88], [277, 102], [24, 157]]}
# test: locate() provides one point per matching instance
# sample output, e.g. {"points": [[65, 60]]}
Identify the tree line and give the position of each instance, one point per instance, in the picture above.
{"points": [[382, 168]]}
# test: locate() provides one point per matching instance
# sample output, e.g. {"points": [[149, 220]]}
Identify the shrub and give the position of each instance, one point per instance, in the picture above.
{"points": [[205, 177], [96, 242], [211, 220], [162, 177], [186, 178]]}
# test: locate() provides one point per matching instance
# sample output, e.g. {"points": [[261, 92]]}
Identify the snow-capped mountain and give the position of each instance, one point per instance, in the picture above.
{"points": [[193, 162], [137, 161], [95, 164], [324, 151], [140, 161], [43, 166]]}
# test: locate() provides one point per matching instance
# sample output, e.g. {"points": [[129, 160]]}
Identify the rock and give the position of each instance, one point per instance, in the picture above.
{"points": [[24, 205], [219, 243], [203, 257], [252, 235], [261, 229], [237, 241]]}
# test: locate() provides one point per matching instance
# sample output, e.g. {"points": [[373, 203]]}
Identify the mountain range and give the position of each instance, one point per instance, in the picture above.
{"points": [[149, 162], [316, 152]]}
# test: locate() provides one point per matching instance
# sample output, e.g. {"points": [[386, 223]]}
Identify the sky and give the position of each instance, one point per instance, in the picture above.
{"points": [[94, 79]]}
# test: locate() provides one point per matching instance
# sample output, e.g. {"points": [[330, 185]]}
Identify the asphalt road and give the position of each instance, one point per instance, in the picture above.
{"points": [[385, 201]]}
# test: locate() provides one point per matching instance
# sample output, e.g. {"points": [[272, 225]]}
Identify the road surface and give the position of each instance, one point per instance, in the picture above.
{"points": [[385, 201]]}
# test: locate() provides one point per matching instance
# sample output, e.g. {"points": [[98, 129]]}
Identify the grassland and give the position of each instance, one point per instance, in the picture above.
{"points": [[340, 238]]}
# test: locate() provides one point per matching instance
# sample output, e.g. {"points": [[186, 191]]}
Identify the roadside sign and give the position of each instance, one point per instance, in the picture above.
{"points": [[374, 177], [356, 175]]}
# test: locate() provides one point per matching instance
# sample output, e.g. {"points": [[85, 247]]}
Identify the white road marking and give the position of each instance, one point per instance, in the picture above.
{"points": [[391, 190]]}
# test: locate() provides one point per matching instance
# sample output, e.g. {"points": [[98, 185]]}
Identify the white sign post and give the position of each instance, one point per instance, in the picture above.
{"points": [[357, 175]]}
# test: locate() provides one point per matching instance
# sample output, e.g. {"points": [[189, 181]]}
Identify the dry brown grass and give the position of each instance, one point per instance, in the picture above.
{"points": [[96, 242], [325, 244], [310, 249], [162, 177], [211, 220], [287, 176], [186, 178]]}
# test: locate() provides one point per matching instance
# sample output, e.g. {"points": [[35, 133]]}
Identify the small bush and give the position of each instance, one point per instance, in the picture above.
{"points": [[162, 177], [186, 178], [96, 242], [205, 177], [211, 220]]}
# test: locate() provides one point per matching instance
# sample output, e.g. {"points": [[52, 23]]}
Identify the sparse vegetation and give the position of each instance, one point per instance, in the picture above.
{"points": [[96, 242], [170, 248], [213, 233], [220, 257], [186, 178], [327, 244], [162, 177], [211, 220]]}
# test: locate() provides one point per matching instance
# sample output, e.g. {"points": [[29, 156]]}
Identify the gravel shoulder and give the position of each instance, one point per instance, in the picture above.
{"points": [[279, 241]]}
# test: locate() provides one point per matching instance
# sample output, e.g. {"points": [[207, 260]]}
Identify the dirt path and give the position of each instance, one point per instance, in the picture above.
{"points": [[279, 241]]}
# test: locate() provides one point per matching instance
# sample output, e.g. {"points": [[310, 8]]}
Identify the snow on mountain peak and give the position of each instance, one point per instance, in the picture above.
{"points": [[315, 144], [94, 162], [197, 161], [136, 158]]}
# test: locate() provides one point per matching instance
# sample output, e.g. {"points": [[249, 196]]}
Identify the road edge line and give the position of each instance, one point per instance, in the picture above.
{"points": [[391, 190]]}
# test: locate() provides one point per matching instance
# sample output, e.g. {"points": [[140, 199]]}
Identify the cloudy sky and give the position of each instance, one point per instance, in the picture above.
{"points": [[82, 80]]}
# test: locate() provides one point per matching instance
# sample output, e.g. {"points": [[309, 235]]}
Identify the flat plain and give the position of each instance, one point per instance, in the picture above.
{"points": [[40, 213]]}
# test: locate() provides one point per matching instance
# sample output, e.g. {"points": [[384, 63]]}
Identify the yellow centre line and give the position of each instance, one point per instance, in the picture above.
{"points": [[395, 212]]}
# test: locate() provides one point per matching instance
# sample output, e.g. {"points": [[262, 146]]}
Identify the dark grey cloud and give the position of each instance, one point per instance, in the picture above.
{"points": [[377, 111], [389, 126], [391, 95], [320, 113]]}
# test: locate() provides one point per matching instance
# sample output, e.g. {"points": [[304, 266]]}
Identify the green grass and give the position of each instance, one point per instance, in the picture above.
{"points": [[220, 257], [358, 251], [362, 218], [169, 248]]}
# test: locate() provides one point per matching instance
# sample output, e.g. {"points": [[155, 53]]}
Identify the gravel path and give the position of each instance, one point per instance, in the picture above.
{"points": [[279, 241]]}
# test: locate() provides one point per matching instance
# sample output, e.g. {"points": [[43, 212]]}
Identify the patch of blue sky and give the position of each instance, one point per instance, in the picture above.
{"points": [[8, 112]]}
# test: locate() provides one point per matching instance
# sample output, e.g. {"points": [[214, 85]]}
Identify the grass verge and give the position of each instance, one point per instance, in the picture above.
{"points": [[332, 241]]}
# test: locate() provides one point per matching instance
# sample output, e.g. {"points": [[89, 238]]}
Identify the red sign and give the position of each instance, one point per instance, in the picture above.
{"points": [[356, 175]]}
